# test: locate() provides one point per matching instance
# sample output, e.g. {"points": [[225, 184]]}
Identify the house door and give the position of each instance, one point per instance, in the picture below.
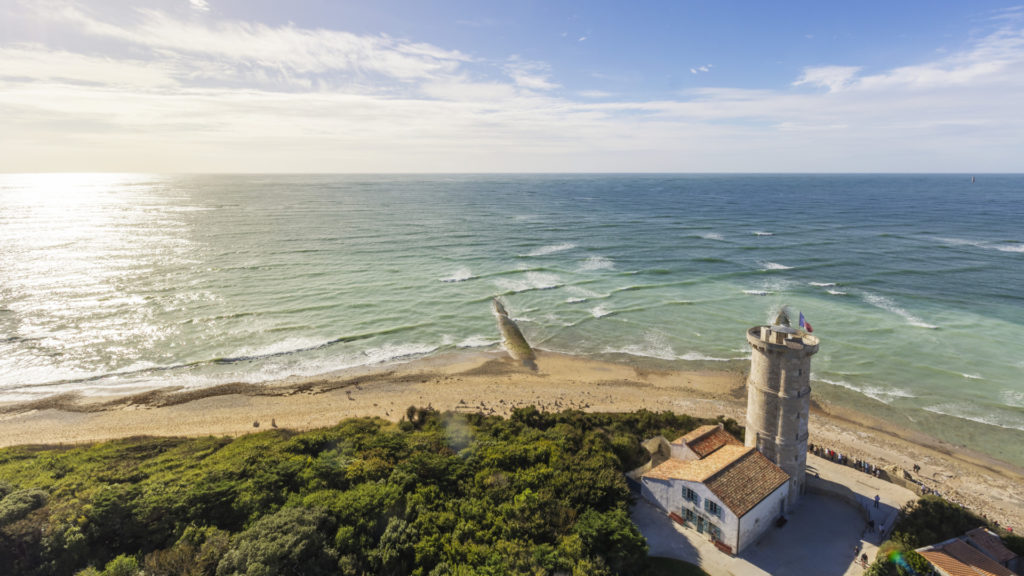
{"points": [[700, 524]]}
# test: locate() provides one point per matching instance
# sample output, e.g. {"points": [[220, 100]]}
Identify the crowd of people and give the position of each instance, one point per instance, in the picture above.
{"points": [[839, 458]]}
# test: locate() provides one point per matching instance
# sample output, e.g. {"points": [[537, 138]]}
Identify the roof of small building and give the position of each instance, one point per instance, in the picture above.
{"points": [[751, 479], [707, 439], [739, 476], [695, 434], [990, 544], [957, 558]]}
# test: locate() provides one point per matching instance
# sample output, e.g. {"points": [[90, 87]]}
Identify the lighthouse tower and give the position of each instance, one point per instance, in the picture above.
{"points": [[779, 398]]}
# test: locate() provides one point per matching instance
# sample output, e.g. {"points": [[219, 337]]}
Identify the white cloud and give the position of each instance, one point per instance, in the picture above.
{"points": [[284, 49], [530, 75], [236, 96], [200, 5], [834, 78]]}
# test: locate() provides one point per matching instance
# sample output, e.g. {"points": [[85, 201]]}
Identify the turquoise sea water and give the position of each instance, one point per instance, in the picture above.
{"points": [[114, 283]]}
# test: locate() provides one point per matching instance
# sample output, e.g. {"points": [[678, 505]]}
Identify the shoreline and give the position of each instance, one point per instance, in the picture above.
{"points": [[490, 382]]}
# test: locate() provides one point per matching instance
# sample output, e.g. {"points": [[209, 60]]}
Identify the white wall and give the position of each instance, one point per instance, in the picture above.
{"points": [[683, 452], [762, 516], [669, 495]]}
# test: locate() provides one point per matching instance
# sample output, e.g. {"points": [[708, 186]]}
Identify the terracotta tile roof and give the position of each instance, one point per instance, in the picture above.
{"points": [[694, 434], [956, 558], [697, 470], [990, 545], [707, 439], [739, 476], [751, 479], [712, 442]]}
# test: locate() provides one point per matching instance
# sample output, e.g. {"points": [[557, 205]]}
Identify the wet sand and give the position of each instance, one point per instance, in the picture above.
{"points": [[491, 383]]}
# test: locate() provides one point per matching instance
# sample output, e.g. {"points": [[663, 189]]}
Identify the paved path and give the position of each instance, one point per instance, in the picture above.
{"points": [[820, 537]]}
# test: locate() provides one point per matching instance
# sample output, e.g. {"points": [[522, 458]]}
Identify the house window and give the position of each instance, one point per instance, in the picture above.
{"points": [[690, 516], [691, 496], [713, 508], [716, 532]]}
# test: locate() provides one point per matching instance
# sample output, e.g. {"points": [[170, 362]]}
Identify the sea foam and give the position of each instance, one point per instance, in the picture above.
{"points": [[596, 263], [888, 305], [552, 249], [460, 275]]}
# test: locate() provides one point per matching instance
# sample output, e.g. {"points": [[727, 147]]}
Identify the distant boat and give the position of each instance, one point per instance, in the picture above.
{"points": [[972, 179]]}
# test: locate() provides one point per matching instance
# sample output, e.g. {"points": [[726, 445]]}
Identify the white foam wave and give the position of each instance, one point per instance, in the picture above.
{"points": [[600, 312], [1011, 248], [774, 266], [882, 394], [580, 294], [836, 292], [531, 281], [1018, 248], [390, 352], [477, 341], [712, 236], [962, 242], [655, 345], [279, 347], [460, 275], [597, 263], [822, 284], [553, 249], [697, 356], [757, 292], [888, 305], [1013, 398], [964, 412], [971, 376], [764, 234]]}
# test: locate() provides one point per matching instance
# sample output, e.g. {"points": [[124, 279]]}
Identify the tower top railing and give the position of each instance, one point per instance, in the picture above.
{"points": [[782, 339]]}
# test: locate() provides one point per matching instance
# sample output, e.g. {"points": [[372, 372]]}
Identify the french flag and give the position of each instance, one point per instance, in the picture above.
{"points": [[805, 324]]}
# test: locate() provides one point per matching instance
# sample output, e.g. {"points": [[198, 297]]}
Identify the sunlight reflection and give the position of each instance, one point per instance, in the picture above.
{"points": [[73, 248]]}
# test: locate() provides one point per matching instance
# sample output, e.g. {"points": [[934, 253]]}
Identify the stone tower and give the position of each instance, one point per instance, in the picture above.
{"points": [[779, 398]]}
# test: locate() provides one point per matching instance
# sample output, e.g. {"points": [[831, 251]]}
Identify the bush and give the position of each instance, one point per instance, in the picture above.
{"points": [[291, 541], [442, 493], [18, 503]]}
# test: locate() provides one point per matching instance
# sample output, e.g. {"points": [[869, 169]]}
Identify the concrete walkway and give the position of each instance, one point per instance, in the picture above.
{"points": [[824, 536]]}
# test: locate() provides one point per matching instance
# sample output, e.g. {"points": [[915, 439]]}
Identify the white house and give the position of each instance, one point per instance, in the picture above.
{"points": [[719, 487]]}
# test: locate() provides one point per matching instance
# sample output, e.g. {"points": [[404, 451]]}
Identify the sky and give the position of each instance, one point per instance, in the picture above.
{"points": [[338, 86]]}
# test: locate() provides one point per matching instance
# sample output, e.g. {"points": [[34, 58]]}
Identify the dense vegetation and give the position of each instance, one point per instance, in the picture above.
{"points": [[439, 494], [928, 521]]}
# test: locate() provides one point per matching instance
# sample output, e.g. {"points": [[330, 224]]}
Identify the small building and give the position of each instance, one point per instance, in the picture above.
{"points": [[976, 553], [991, 545], [717, 486]]}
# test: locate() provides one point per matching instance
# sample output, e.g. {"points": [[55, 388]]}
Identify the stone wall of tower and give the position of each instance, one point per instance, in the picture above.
{"points": [[779, 400]]}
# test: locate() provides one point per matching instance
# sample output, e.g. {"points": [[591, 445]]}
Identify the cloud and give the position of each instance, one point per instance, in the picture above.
{"points": [[200, 5], [158, 93], [283, 50], [530, 75], [834, 78]]}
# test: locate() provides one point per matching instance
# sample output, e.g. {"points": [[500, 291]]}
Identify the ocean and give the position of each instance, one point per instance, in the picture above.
{"points": [[125, 282]]}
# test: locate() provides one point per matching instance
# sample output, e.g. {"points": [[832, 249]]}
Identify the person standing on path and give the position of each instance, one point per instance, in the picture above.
{"points": [[876, 500]]}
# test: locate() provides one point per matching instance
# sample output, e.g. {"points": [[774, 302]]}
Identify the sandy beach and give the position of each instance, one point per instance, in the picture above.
{"points": [[493, 384]]}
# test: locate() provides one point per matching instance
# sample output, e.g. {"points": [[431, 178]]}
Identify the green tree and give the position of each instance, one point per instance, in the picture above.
{"points": [[288, 542]]}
